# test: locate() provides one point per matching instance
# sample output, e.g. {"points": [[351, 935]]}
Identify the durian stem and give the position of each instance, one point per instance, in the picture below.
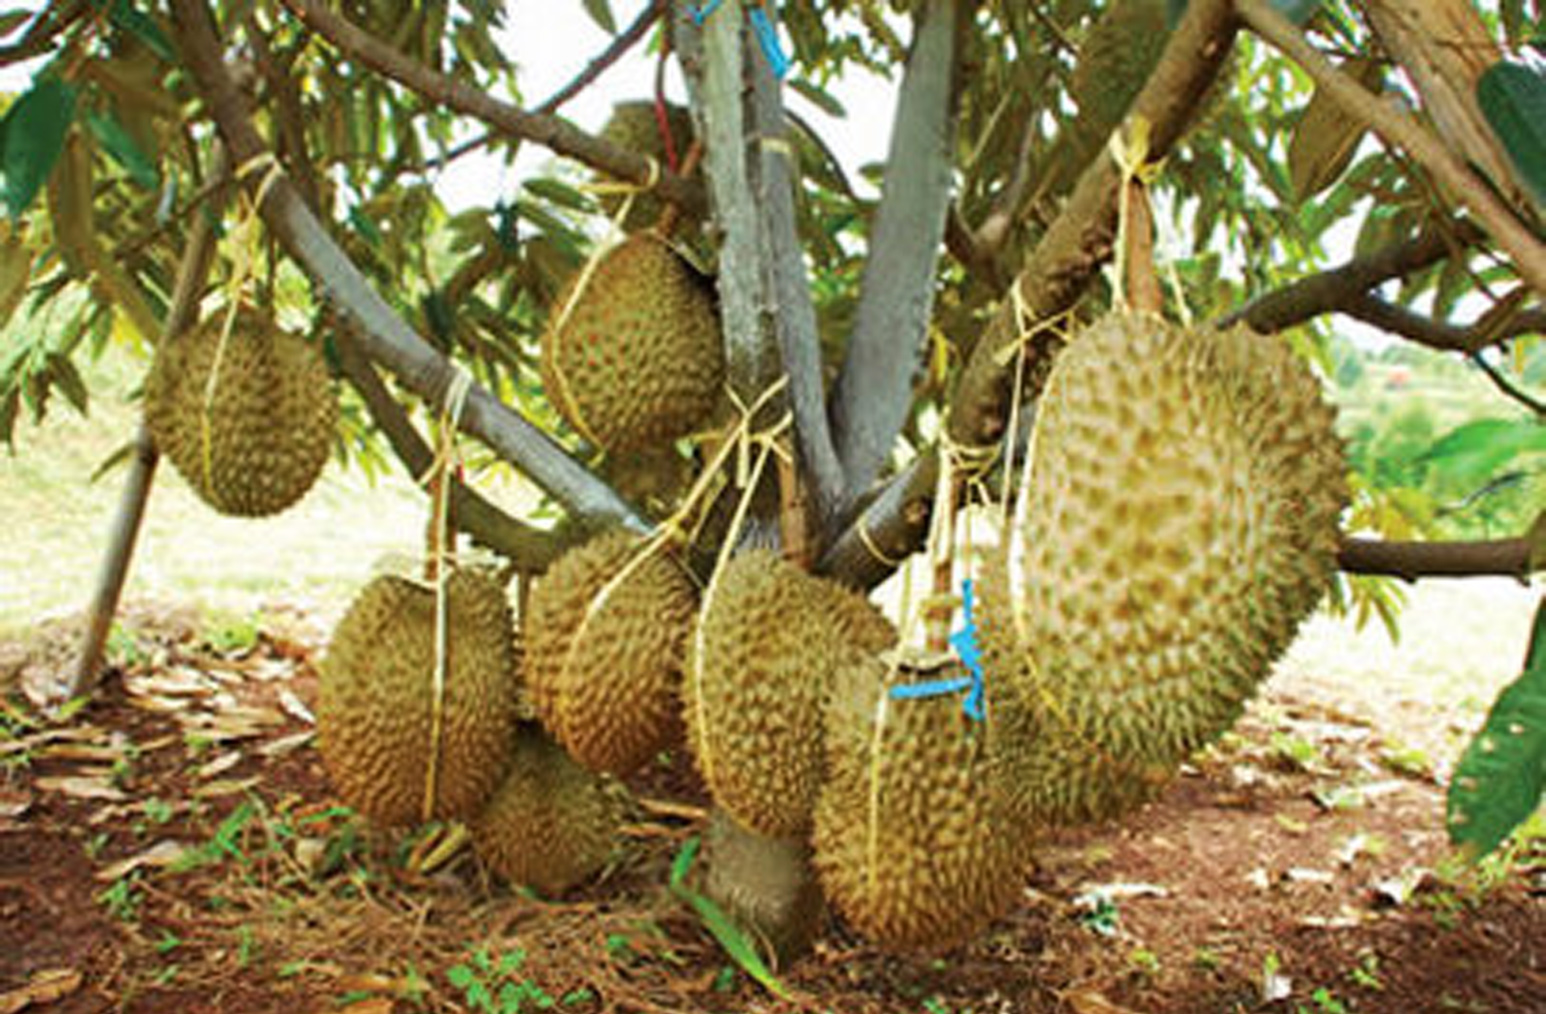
{"points": [[767, 885]]}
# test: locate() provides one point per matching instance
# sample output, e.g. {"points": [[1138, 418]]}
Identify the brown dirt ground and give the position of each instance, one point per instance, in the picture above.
{"points": [[1293, 867]]}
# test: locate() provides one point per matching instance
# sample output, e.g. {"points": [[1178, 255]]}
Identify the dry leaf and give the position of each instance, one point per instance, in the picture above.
{"points": [[1084, 1001], [220, 765], [288, 744], [295, 707], [83, 787], [161, 854], [213, 790], [46, 986]]}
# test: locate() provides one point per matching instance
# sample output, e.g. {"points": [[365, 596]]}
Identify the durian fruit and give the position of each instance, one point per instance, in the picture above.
{"points": [[632, 356], [759, 664], [551, 824], [633, 125], [1178, 521], [916, 842], [606, 633], [255, 441], [376, 702]]}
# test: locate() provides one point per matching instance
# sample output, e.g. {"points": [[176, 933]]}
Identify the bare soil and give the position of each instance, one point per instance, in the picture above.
{"points": [[174, 847]]}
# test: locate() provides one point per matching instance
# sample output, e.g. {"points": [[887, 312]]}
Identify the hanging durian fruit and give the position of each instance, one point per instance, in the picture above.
{"points": [[632, 355], [606, 632], [377, 722], [247, 418], [634, 125], [916, 842], [1177, 522], [551, 824], [759, 666]]}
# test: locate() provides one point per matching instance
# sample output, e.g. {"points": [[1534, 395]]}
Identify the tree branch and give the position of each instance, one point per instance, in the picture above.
{"points": [[1329, 290], [549, 131], [1413, 560], [50, 23], [788, 294], [1070, 253], [1403, 130], [531, 549], [614, 52], [1436, 334], [1507, 387], [1080, 239], [383, 335], [874, 390]]}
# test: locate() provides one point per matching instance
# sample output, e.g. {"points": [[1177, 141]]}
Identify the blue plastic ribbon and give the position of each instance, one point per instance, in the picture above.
{"points": [[964, 641], [701, 14], [767, 37]]}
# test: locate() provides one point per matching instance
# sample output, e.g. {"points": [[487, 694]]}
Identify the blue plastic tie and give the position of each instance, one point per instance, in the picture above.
{"points": [[767, 37], [964, 641], [701, 14]]}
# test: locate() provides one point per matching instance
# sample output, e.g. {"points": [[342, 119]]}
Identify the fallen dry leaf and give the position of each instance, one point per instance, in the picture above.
{"points": [[213, 790], [287, 744], [83, 786], [220, 765], [46, 986], [1084, 1001], [162, 853], [295, 707]]}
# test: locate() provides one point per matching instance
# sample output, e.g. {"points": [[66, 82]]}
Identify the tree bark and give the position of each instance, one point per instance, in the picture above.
{"points": [[874, 392]]}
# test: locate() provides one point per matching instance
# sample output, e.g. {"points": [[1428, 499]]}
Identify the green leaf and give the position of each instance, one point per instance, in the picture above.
{"points": [[1498, 782], [818, 97], [14, 19], [736, 944], [561, 194], [1513, 98], [119, 144], [142, 26], [600, 11], [1479, 449], [1298, 11], [683, 862], [34, 132]]}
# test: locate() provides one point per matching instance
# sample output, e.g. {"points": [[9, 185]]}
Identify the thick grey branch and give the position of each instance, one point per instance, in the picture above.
{"points": [[384, 336], [875, 388], [1075, 246], [789, 295]]}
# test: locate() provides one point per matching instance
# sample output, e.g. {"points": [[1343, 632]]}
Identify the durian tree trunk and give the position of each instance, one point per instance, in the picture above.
{"points": [[767, 885]]}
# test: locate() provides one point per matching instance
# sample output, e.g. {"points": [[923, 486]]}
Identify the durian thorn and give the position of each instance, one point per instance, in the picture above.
{"points": [[726, 550], [874, 777], [211, 388], [652, 545], [450, 419]]}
